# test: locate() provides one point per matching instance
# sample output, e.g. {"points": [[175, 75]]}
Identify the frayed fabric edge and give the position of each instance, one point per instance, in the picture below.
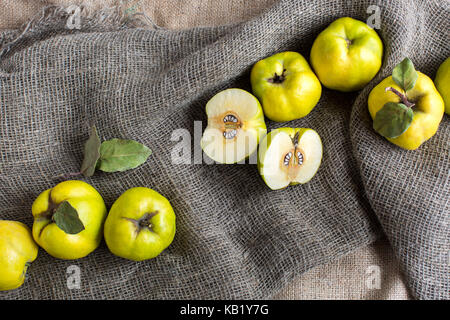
{"points": [[61, 19]]}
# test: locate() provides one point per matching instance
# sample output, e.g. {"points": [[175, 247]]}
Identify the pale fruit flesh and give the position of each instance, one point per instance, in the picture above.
{"points": [[235, 126], [289, 156]]}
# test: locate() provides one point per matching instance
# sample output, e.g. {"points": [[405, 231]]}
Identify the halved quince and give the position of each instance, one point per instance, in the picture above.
{"points": [[289, 156], [235, 126]]}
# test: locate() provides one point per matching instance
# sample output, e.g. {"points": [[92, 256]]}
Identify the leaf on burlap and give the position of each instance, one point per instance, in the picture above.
{"points": [[91, 153], [121, 155]]}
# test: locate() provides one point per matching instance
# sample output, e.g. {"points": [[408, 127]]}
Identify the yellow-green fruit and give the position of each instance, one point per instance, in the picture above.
{"points": [[286, 86], [17, 251], [346, 55], [442, 82], [91, 211], [235, 126], [428, 109], [140, 224], [289, 156]]}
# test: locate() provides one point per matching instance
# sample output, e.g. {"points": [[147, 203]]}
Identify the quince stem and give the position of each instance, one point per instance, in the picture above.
{"points": [[295, 142], [402, 96]]}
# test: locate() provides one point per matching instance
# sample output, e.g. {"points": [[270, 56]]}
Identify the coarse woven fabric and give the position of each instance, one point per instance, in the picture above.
{"points": [[235, 238], [370, 273], [344, 278]]}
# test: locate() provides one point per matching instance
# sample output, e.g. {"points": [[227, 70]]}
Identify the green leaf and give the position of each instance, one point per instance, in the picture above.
{"points": [[67, 219], [405, 75], [121, 155], [91, 153], [393, 119]]}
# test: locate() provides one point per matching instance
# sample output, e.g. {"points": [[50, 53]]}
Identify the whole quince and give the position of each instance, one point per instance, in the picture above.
{"points": [[406, 107], [17, 251], [286, 86], [68, 219], [346, 55], [140, 224], [442, 83]]}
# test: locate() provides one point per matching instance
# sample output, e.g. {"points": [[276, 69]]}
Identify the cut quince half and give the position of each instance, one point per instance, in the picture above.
{"points": [[289, 156], [235, 126]]}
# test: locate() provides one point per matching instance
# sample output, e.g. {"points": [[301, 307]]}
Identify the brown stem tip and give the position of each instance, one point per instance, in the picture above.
{"points": [[402, 97]]}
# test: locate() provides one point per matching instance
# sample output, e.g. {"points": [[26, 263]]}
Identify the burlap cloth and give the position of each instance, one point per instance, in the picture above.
{"points": [[265, 257]]}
